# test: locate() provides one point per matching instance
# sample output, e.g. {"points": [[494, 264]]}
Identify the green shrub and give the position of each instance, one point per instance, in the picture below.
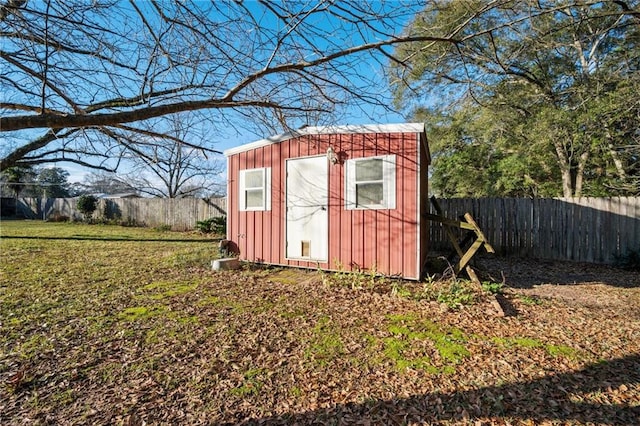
{"points": [[87, 204], [215, 225]]}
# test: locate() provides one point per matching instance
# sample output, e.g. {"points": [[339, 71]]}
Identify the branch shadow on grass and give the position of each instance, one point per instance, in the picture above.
{"points": [[111, 238], [593, 395]]}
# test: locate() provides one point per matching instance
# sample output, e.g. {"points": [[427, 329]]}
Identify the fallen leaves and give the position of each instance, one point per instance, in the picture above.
{"points": [[15, 380], [159, 343]]}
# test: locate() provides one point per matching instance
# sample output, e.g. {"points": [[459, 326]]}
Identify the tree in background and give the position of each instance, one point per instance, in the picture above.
{"points": [[48, 182], [16, 180], [105, 183], [537, 98], [167, 167], [53, 182], [175, 171]]}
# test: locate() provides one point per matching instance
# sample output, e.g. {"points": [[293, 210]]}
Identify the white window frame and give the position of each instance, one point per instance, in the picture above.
{"points": [[388, 184], [266, 189]]}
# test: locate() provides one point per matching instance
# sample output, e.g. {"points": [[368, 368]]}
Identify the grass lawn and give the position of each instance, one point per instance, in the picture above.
{"points": [[113, 325]]}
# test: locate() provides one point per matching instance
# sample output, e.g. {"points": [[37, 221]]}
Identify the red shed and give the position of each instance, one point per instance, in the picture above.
{"points": [[338, 197]]}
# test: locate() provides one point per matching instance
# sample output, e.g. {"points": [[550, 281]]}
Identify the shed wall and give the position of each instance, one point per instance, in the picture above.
{"points": [[391, 241]]}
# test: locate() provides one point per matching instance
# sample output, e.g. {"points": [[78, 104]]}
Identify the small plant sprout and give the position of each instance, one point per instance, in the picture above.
{"points": [[492, 287]]}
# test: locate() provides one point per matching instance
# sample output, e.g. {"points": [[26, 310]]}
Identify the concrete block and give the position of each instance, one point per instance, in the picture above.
{"points": [[227, 263]]}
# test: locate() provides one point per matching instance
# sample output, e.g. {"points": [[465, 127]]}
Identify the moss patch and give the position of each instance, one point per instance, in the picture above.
{"points": [[325, 345], [408, 348], [141, 312], [251, 384]]}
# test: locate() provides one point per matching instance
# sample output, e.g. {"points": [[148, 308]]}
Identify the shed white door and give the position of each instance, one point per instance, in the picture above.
{"points": [[307, 211]]}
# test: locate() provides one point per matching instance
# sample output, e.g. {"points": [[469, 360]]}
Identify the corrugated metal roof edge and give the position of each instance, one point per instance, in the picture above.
{"points": [[328, 130]]}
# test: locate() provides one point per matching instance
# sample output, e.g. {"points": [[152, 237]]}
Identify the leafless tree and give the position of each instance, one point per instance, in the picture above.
{"points": [[101, 182], [166, 167], [85, 82]]}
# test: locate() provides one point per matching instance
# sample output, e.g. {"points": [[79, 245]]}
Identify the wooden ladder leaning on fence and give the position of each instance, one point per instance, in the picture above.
{"points": [[465, 222]]}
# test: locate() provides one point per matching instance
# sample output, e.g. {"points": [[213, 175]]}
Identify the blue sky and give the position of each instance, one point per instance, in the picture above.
{"points": [[360, 114], [222, 139]]}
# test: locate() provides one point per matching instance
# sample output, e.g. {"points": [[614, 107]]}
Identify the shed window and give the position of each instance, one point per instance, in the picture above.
{"points": [[371, 183], [255, 189]]}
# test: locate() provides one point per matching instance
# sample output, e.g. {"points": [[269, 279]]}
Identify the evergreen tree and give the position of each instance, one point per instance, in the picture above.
{"points": [[53, 182], [544, 102]]}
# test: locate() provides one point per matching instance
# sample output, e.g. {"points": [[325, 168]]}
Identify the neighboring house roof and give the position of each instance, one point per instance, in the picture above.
{"points": [[123, 195], [329, 130]]}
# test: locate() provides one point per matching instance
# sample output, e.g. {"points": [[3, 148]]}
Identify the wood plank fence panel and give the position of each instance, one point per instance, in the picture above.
{"points": [[178, 213], [579, 229]]}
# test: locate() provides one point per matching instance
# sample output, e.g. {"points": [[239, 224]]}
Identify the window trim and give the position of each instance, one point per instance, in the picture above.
{"points": [[388, 183], [266, 190]]}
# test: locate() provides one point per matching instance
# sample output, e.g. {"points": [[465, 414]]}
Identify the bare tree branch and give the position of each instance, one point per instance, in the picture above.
{"points": [[109, 63]]}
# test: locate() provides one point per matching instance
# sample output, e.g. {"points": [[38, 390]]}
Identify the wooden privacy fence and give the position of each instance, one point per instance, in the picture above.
{"points": [[179, 213], [580, 229]]}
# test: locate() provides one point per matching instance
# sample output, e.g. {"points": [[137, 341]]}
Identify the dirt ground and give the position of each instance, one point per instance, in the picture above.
{"points": [[589, 285]]}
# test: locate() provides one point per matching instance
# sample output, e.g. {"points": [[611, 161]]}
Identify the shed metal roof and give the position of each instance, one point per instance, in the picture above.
{"points": [[329, 130]]}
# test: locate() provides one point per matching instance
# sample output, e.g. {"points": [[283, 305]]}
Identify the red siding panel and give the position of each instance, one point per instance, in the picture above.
{"points": [[276, 223], [260, 239], [233, 213], [396, 225], [384, 217], [346, 245], [423, 199], [242, 216], [335, 205], [369, 260], [409, 179], [357, 236]]}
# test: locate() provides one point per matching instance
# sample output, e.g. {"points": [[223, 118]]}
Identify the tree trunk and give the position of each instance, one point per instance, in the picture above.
{"points": [[565, 169], [580, 173], [614, 154]]}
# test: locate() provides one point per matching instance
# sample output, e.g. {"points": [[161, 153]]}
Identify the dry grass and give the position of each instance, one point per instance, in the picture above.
{"points": [[110, 325]]}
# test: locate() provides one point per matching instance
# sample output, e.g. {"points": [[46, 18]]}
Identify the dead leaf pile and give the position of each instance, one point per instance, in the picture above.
{"points": [[190, 346]]}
